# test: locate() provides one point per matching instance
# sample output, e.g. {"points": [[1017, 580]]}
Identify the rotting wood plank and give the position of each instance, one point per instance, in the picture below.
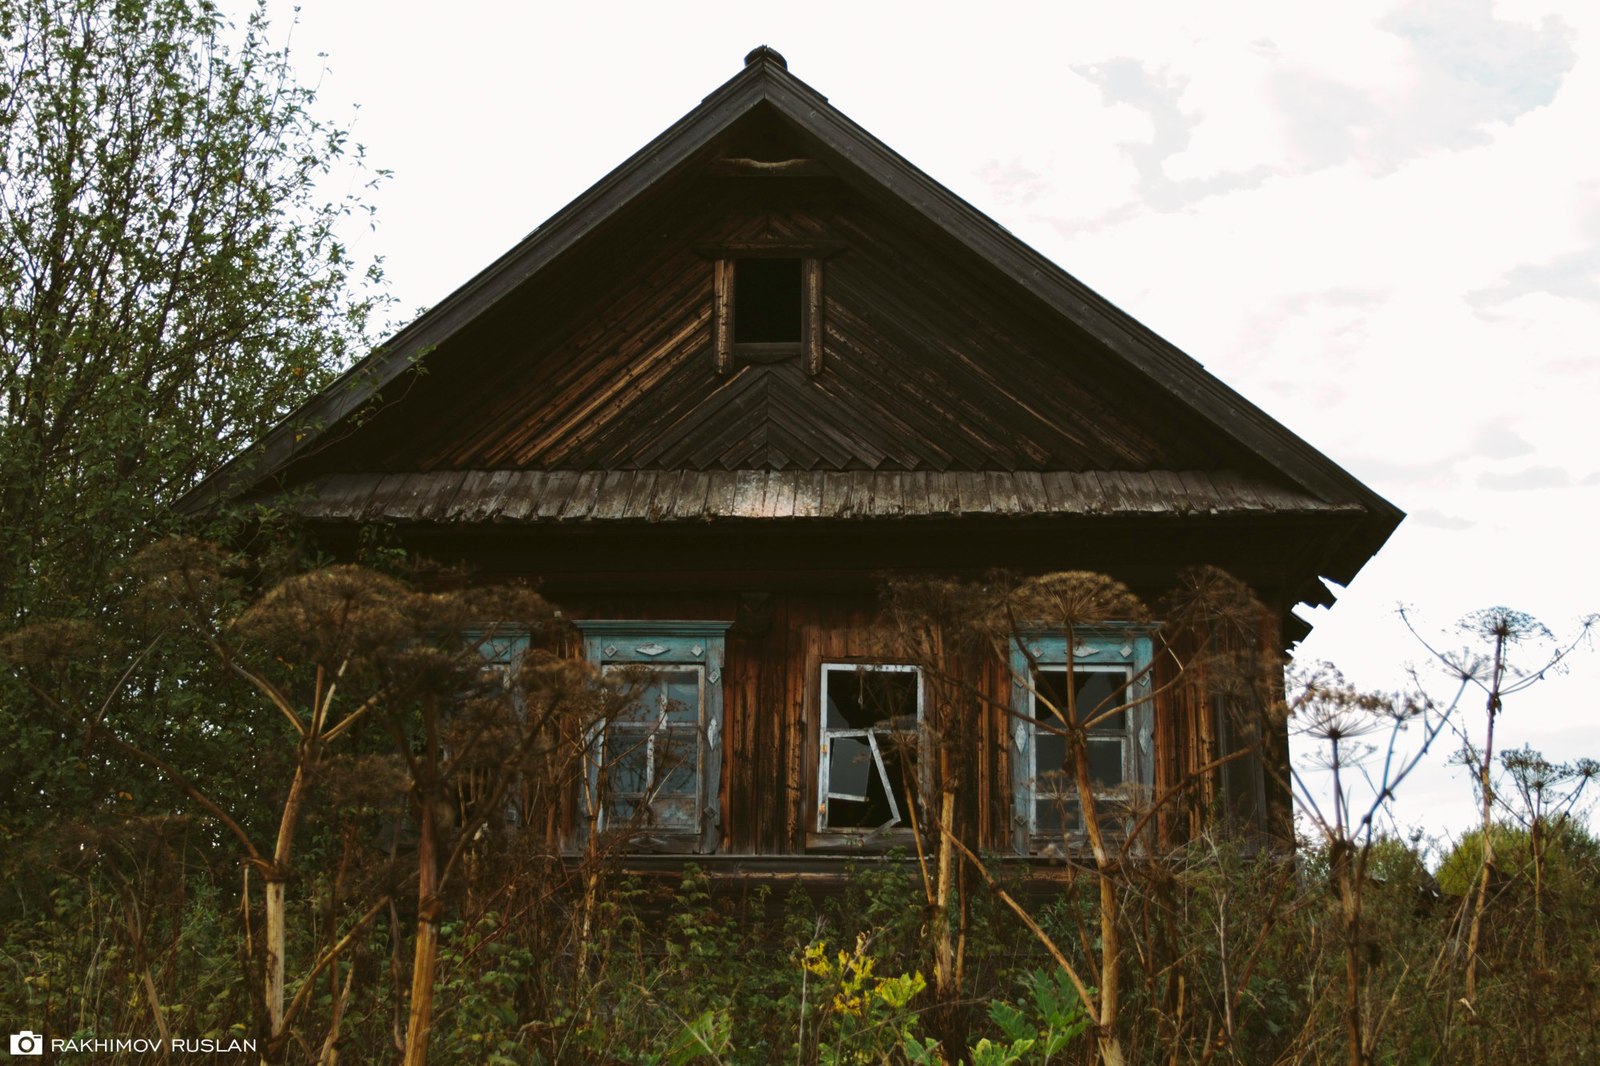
{"points": [[1132, 491], [1031, 497], [641, 489], [974, 488], [383, 496], [611, 498], [724, 488], [558, 487], [1172, 488], [781, 492], [1200, 490], [914, 493], [1235, 492], [663, 493], [944, 492], [836, 489], [339, 494], [1002, 492], [888, 497], [581, 503], [750, 487], [690, 500], [521, 497], [437, 495], [808, 493]]}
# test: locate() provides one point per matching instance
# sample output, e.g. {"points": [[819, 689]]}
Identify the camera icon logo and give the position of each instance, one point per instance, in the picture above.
{"points": [[27, 1042]]}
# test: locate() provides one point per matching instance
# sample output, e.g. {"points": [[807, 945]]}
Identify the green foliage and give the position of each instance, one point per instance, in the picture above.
{"points": [[1571, 857], [172, 283]]}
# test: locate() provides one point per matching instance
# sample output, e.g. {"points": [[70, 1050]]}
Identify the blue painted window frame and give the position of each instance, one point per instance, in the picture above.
{"points": [[612, 643], [1129, 647]]}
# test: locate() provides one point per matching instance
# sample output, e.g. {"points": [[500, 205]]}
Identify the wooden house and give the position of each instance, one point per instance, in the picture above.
{"points": [[758, 366]]}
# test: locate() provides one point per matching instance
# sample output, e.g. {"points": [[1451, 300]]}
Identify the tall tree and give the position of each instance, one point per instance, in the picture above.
{"points": [[172, 280]]}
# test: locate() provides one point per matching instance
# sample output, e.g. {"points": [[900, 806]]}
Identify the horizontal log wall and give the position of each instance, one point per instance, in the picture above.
{"points": [[771, 709]]}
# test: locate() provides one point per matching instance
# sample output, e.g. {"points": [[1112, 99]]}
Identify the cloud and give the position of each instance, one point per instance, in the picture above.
{"points": [[1436, 519], [1159, 94], [1461, 72], [1498, 440], [1533, 477]]}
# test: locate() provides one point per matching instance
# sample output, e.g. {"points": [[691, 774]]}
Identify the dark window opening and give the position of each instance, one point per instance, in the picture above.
{"points": [[869, 741], [767, 301]]}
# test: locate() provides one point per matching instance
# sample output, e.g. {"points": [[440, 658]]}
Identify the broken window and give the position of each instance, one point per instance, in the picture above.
{"points": [[868, 745], [1102, 688], [655, 768]]}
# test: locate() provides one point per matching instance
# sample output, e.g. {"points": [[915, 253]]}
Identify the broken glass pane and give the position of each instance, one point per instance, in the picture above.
{"points": [[861, 697], [1096, 691], [850, 766]]}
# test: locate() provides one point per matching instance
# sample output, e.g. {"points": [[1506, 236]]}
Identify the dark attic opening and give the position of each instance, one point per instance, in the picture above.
{"points": [[767, 301]]}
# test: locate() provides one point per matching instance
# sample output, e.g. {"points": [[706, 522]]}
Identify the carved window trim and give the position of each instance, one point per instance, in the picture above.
{"points": [[1120, 649], [614, 645]]}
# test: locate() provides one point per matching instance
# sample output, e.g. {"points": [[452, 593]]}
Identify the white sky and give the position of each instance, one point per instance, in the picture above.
{"points": [[1378, 221]]}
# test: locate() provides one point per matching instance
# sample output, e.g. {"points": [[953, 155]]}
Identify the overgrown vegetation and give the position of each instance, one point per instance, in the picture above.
{"points": [[388, 878], [337, 811]]}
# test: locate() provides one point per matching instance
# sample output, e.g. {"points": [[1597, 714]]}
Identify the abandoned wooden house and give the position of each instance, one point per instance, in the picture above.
{"points": [[755, 368]]}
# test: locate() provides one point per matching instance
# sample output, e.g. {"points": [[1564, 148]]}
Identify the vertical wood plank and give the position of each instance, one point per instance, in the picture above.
{"points": [[722, 315], [813, 316]]}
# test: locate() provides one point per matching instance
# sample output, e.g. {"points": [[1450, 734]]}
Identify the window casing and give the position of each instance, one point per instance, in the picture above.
{"points": [[1103, 680], [655, 770], [767, 304], [869, 742], [503, 649]]}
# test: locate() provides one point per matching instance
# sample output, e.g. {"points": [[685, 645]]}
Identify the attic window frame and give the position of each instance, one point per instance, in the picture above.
{"points": [[725, 259]]}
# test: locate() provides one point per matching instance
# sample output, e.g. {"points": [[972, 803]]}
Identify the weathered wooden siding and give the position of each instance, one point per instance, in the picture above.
{"points": [[608, 365], [771, 705], [544, 496]]}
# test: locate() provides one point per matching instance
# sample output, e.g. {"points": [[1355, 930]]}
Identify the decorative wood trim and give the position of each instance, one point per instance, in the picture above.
{"points": [[722, 315], [812, 326], [765, 168], [775, 249]]}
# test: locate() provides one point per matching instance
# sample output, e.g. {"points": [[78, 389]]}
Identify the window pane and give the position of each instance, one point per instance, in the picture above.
{"points": [[680, 691], [628, 759], [676, 762], [1048, 814], [850, 766], [1049, 762], [1105, 762], [1099, 690], [673, 812], [1095, 689]]}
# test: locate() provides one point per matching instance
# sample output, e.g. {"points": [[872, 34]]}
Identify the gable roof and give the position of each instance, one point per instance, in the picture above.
{"points": [[879, 174]]}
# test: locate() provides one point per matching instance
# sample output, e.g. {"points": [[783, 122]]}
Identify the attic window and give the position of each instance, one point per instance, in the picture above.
{"points": [[766, 301], [767, 306]]}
